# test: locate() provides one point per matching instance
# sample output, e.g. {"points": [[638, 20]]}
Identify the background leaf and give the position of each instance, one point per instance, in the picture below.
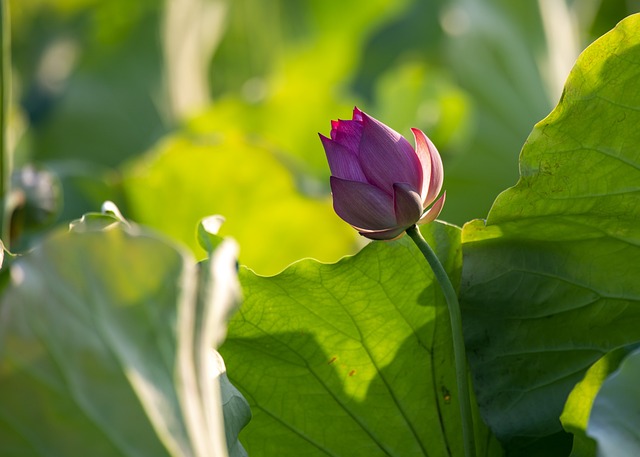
{"points": [[352, 358], [91, 70], [101, 348], [577, 409], [549, 281], [237, 414], [616, 411]]}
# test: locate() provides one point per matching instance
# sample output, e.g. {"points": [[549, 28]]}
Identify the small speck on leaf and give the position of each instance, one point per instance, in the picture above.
{"points": [[446, 395]]}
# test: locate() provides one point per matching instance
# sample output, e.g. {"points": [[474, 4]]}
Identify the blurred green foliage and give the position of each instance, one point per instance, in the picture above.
{"points": [[194, 176], [181, 109], [101, 88]]}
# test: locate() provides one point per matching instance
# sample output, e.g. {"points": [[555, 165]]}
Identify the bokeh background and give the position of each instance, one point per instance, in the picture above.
{"points": [[179, 109]]}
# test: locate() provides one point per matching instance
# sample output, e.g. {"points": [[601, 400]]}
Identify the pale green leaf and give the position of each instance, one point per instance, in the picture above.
{"points": [[106, 341], [616, 412], [577, 409], [208, 229]]}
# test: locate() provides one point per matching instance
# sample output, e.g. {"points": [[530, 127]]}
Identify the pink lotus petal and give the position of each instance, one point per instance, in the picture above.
{"points": [[342, 162], [432, 213], [389, 234], [386, 157], [362, 205], [380, 184], [431, 161], [422, 151], [407, 204]]}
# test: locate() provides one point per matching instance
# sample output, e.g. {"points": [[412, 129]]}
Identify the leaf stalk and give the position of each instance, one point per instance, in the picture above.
{"points": [[462, 376]]}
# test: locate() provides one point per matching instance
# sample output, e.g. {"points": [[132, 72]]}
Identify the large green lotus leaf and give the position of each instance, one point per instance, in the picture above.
{"points": [[352, 358], [106, 349], [550, 281], [190, 177], [616, 412]]}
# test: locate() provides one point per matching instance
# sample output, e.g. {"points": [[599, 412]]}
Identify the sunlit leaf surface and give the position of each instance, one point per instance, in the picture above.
{"points": [[352, 358]]}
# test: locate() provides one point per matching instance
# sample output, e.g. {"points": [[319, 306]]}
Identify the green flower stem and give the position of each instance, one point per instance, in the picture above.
{"points": [[462, 378]]}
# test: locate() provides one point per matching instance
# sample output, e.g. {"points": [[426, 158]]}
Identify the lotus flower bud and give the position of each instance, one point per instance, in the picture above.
{"points": [[380, 184]]}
